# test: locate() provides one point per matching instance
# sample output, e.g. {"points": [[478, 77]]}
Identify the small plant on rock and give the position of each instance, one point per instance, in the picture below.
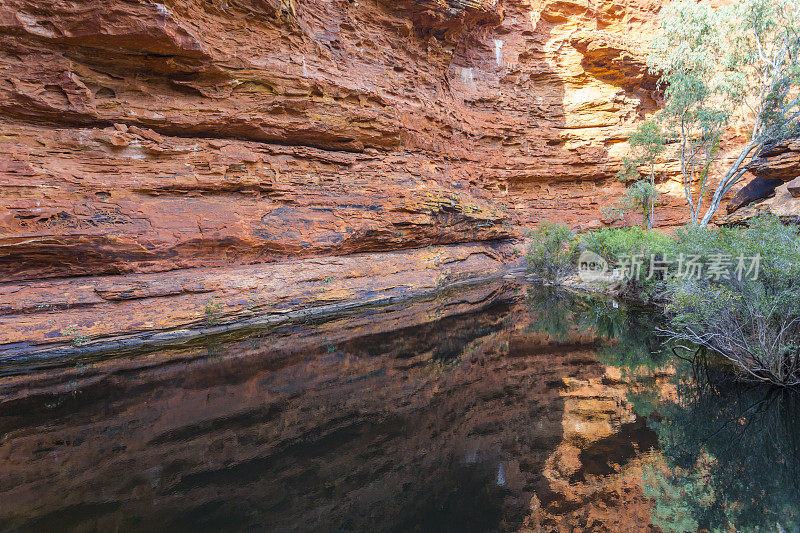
{"points": [[213, 311]]}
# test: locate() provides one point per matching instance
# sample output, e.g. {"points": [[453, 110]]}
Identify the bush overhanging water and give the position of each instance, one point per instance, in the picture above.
{"points": [[733, 291]]}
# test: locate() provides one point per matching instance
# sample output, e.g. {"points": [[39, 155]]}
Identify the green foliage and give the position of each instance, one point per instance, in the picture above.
{"points": [[752, 320], [777, 245], [742, 301], [612, 244], [735, 63], [647, 143], [617, 246], [641, 197], [697, 106], [766, 48], [553, 251]]}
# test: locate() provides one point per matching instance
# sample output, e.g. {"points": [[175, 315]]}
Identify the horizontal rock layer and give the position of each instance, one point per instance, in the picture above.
{"points": [[79, 315], [142, 138]]}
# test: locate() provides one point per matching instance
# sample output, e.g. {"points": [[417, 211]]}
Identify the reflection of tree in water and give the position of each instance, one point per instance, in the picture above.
{"points": [[631, 343], [730, 453], [731, 458], [634, 344], [560, 313]]}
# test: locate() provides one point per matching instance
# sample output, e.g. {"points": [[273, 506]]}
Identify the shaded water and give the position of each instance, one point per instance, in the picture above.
{"points": [[491, 408]]}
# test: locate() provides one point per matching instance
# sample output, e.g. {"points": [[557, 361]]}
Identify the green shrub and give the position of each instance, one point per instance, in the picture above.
{"points": [[745, 304], [640, 198], [777, 245], [553, 252], [751, 320], [619, 245], [612, 244]]}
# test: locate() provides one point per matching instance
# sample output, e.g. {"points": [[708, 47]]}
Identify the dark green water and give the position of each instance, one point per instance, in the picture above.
{"points": [[492, 408]]}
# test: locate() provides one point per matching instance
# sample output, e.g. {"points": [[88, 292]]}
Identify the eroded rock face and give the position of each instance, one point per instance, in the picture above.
{"points": [[141, 137], [779, 160]]}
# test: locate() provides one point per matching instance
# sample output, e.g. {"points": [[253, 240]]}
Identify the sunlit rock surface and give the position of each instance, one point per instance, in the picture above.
{"points": [[151, 138]]}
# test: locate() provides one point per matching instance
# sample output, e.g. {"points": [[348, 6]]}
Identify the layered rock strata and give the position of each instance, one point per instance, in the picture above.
{"points": [[149, 138]]}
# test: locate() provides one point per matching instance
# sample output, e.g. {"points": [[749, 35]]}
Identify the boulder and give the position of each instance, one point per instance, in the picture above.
{"points": [[757, 189], [778, 160], [794, 187]]}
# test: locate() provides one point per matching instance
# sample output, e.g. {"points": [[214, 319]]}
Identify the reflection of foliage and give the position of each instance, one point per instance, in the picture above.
{"points": [[552, 310], [732, 458], [644, 396], [634, 343], [675, 491], [601, 316], [637, 346], [559, 312], [730, 453]]}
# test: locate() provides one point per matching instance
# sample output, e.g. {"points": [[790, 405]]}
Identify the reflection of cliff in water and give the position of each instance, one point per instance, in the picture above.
{"points": [[436, 426], [474, 410]]}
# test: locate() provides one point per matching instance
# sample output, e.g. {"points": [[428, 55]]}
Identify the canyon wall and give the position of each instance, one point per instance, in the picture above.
{"points": [[193, 139]]}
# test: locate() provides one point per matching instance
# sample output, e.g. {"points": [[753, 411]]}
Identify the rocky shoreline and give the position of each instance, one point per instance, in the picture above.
{"points": [[74, 316]]}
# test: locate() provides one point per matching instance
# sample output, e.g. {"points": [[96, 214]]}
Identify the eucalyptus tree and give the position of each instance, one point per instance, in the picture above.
{"points": [[733, 65], [647, 143]]}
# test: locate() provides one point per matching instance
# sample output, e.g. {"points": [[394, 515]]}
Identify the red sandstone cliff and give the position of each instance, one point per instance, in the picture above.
{"points": [[144, 139]]}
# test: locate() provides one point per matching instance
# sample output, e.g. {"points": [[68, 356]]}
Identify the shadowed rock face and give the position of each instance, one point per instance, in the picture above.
{"points": [[778, 163], [466, 422], [757, 189], [150, 138]]}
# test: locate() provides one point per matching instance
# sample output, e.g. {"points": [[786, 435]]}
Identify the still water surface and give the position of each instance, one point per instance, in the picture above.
{"points": [[499, 407]]}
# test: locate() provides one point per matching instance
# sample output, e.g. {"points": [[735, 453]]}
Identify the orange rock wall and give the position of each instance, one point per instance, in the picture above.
{"points": [[143, 138]]}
